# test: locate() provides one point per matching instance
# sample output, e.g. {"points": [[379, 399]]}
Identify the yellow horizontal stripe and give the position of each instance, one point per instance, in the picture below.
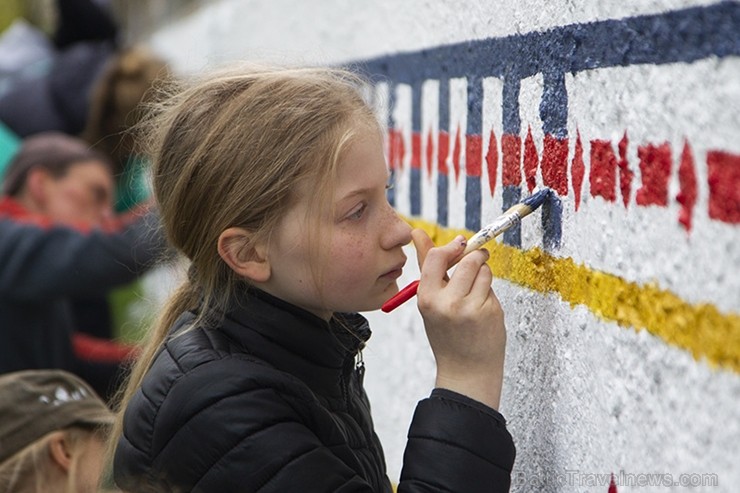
{"points": [[700, 329]]}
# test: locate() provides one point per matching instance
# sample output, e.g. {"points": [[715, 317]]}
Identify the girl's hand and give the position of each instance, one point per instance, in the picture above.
{"points": [[463, 319]]}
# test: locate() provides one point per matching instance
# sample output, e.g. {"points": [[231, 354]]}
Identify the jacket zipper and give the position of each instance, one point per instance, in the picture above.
{"points": [[359, 368], [359, 374]]}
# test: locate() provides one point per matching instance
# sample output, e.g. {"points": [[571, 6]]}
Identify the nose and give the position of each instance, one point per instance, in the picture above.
{"points": [[105, 214], [396, 231]]}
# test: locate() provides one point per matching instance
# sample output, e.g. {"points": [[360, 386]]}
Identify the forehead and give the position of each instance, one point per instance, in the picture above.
{"points": [[90, 169], [362, 164]]}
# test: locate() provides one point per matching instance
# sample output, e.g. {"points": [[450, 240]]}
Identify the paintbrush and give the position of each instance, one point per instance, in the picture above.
{"points": [[511, 217]]}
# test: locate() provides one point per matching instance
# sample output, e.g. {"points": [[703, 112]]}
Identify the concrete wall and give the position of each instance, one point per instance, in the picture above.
{"points": [[622, 293]]}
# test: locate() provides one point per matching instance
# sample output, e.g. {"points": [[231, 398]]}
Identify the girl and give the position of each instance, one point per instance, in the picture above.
{"points": [[52, 435], [272, 182]]}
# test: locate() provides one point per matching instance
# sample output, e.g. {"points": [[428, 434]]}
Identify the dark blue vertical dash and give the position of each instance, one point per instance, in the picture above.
{"points": [[512, 195], [552, 222], [554, 115], [416, 107], [444, 104], [391, 125], [472, 203], [391, 104], [510, 105], [473, 127], [475, 105], [443, 185], [511, 125], [554, 105], [415, 194], [391, 191]]}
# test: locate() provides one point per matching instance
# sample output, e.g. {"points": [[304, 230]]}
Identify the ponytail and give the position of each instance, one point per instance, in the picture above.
{"points": [[186, 297]]}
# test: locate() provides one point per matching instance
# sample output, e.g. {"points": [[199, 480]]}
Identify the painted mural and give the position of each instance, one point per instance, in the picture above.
{"points": [[437, 158]]}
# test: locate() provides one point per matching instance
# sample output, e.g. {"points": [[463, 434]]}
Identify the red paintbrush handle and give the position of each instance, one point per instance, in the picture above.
{"points": [[401, 297]]}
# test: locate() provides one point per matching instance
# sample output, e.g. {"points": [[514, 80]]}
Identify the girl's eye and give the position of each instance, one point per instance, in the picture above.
{"points": [[358, 212]]}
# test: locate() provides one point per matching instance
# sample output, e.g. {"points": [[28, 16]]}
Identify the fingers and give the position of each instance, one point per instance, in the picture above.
{"points": [[466, 275], [481, 289], [437, 261]]}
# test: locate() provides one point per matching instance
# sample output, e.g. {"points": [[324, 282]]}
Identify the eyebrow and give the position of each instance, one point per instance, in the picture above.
{"points": [[358, 191], [364, 190]]}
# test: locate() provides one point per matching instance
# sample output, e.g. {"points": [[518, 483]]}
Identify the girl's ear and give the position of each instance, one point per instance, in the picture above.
{"points": [[248, 261], [59, 450]]}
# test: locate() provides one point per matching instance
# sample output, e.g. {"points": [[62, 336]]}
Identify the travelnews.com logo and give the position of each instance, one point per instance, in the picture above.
{"points": [[638, 480]]}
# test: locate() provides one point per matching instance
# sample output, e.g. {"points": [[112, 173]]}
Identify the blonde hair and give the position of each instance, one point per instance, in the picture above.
{"points": [[232, 150], [29, 469]]}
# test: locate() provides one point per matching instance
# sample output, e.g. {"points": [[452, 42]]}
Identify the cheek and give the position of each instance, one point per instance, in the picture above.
{"points": [[60, 208], [349, 262], [90, 468], [67, 201]]}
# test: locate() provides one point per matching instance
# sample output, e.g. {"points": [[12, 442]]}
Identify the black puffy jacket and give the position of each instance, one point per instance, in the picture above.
{"points": [[272, 401]]}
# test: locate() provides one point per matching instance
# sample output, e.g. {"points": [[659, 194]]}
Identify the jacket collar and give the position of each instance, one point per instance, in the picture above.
{"points": [[295, 340], [12, 209]]}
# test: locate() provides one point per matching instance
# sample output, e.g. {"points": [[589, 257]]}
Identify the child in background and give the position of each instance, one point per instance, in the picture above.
{"points": [[60, 242], [52, 433], [272, 182]]}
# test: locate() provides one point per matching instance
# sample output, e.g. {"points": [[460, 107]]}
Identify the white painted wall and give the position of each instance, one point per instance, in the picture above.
{"points": [[583, 396]]}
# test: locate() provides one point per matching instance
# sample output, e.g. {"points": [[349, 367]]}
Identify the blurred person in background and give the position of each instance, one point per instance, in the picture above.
{"points": [[85, 83], [82, 80], [52, 433], [60, 241]]}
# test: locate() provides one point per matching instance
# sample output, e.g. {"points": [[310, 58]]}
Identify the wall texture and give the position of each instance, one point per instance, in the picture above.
{"points": [[622, 293]]}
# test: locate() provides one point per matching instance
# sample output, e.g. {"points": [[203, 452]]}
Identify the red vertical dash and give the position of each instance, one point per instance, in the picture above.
{"points": [[687, 183], [396, 149], [625, 173], [443, 149], [531, 160], [492, 162], [577, 169], [429, 153], [416, 150], [724, 186], [473, 157], [612, 485], [555, 164], [655, 169], [456, 149], [603, 174], [511, 146]]}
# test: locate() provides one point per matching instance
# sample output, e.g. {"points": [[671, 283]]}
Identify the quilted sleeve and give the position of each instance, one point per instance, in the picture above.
{"points": [[457, 444]]}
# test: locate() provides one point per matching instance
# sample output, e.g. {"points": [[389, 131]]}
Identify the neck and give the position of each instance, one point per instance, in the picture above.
{"points": [[47, 481]]}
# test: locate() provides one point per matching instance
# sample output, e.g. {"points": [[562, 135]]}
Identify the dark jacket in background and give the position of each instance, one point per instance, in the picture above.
{"points": [[272, 401], [43, 266], [59, 97]]}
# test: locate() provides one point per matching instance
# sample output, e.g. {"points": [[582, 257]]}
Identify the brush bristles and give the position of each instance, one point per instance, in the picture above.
{"points": [[537, 199]]}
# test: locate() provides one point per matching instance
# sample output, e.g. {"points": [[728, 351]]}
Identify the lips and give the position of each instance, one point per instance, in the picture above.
{"points": [[395, 272]]}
